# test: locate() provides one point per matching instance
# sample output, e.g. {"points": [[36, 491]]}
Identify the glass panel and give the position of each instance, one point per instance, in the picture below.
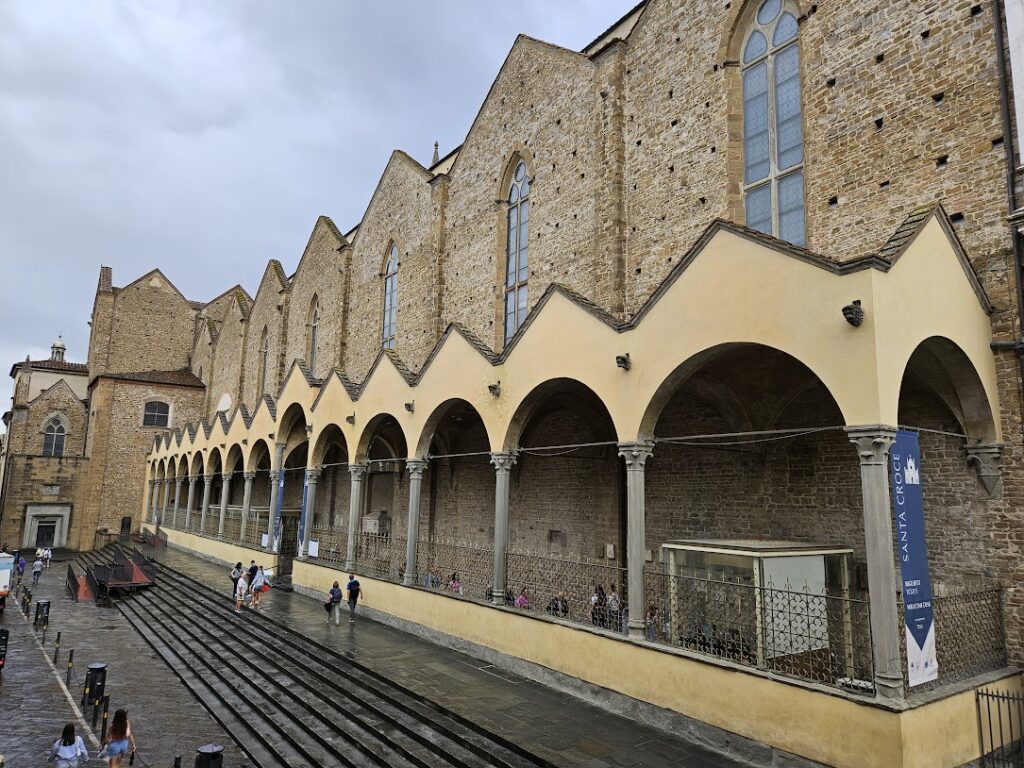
{"points": [[759, 209], [787, 64], [786, 29], [755, 123], [520, 172], [756, 46], [512, 223], [524, 271], [522, 303], [510, 315], [510, 271], [513, 195], [788, 128], [791, 208], [524, 210], [525, 187], [769, 10]]}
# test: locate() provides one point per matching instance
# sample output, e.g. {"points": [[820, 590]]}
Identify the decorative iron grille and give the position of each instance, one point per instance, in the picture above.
{"points": [[817, 637], [1000, 728], [212, 522], [580, 591], [381, 556], [232, 524], [333, 545], [255, 527], [459, 568], [969, 636]]}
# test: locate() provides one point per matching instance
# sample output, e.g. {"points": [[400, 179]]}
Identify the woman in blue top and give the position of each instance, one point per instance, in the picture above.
{"points": [[68, 749], [334, 601]]}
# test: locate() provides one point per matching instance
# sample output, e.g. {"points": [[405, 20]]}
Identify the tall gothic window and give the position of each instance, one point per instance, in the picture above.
{"points": [[264, 359], [53, 437], [773, 149], [156, 414], [314, 333], [390, 299], [516, 251]]}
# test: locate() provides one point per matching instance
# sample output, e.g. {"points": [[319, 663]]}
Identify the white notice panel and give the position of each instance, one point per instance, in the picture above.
{"points": [[794, 606]]}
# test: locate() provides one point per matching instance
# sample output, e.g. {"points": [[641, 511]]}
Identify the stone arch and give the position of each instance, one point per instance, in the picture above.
{"points": [[370, 434], [428, 433], [330, 435], [214, 461], [196, 464], [538, 396], [739, 412], [234, 462], [260, 450]]}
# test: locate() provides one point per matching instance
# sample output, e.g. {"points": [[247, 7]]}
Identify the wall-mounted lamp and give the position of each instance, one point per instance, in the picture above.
{"points": [[351, 419], [494, 389], [854, 313], [623, 361], [410, 406], [245, 441]]}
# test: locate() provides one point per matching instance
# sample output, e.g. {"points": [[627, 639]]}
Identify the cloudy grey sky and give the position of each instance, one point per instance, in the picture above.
{"points": [[204, 137]]}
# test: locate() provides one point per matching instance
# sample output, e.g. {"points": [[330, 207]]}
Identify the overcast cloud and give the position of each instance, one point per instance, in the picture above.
{"points": [[204, 137]]}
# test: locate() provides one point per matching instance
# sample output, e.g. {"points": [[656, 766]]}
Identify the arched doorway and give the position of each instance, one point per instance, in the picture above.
{"points": [[257, 526], [293, 444], [380, 535], [328, 515]]}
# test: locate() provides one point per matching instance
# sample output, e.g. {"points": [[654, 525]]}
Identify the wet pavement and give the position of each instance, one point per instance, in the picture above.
{"points": [[166, 719], [554, 725]]}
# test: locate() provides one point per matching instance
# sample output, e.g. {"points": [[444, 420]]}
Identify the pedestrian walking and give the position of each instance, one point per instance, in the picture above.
{"points": [[236, 574], [21, 568], [252, 570], [47, 556], [241, 588], [37, 570], [120, 740], [258, 586], [69, 749], [355, 591], [333, 604]]}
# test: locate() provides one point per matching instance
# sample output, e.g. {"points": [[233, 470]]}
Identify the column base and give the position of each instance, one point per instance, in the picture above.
{"points": [[408, 580], [887, 687], [637, 629]]}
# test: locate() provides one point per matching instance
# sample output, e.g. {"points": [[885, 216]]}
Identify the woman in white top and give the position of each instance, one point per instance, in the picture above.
{"points": [[257, 588], [68, 749]]}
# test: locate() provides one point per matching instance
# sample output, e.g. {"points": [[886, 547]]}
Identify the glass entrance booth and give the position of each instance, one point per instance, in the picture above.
{"points": [[779, 605]]}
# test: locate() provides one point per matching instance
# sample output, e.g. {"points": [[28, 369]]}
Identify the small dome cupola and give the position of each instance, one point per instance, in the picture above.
{"points": [[57, 350]]}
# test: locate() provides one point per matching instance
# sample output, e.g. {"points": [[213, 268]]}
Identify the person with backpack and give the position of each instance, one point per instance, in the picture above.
{"points": [[259, 585], [355, 591], [69, 749], [333, 604]]}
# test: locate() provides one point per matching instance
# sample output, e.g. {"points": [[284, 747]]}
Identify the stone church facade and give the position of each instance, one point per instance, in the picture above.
{"points": [[668, 303]]}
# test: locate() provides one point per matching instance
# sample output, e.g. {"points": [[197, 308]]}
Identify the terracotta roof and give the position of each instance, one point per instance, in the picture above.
{"points": [[52, 365], [180, 378]]}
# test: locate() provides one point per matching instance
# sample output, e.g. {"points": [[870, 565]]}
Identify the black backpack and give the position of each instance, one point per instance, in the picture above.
{"points": [[353, 592]]}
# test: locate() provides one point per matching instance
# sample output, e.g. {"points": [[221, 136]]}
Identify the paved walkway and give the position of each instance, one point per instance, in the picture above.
{"points": [[552, 724], [166, 719]]}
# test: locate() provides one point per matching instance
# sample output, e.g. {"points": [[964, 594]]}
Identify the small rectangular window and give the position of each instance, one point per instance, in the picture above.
{"points": [[156, 414]]}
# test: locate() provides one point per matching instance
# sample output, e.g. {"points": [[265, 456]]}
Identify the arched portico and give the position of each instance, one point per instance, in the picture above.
{"points": [[329, 501], [288, 503]]}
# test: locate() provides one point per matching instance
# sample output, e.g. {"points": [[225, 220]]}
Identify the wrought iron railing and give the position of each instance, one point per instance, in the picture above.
{"points": [[822, 638], [1000, 728], [72, 582], [232, 524], [332, 544], [381, 556], [455, 567], [580, 591], [970, 638]]}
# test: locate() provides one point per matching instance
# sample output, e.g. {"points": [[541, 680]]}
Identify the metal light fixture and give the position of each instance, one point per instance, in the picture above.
{"points": [[351, 419], [410, 406], [623, 361], [494, 389], [854, 313]]}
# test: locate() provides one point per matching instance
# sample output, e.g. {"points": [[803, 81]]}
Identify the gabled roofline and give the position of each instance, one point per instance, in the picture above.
{"points": [[57, 384], [152, 272], [396, 154], [321, 221]]}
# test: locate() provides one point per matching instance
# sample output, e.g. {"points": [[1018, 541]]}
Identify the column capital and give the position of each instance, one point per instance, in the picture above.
{"points": [[154, 482], [249, 476], [503, 461], [357, 471], [275, 475], [179, 480], [636, 454], [873, 441], [312, 475], [208, 479], [987, 458], [416, 467]]}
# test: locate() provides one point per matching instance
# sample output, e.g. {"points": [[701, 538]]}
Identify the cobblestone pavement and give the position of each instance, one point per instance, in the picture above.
{"points": [[551, 724], [166, 719]]}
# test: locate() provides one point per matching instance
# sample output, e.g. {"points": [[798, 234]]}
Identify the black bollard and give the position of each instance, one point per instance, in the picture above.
{"points": [[71, 663], [56, 650], [209, 756], [177, 761], [95, 713], [87, 686], [106, 712]]}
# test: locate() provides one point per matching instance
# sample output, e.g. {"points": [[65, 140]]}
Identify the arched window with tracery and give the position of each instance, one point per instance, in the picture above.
{"points": [[517, 265], [390, 299], [314, 334], [773, 147], [264, 359], [54, 435]]}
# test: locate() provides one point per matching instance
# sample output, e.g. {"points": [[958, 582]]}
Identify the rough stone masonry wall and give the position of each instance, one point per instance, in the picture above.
{"points": [[401, 212], [151, 330], [318, 275], [227, 365], [26, 478], [269, 311], [25, 434]]}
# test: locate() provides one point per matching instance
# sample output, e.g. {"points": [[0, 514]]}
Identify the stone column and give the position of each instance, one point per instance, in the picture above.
{"points": [[191, 495], [167, 498], [873, 444], [225, 491], [355, 504], [502, 468], [205, 509], [416, 469], [177, 497], [306, 518], [272, 514], [151, 501], [636, 455], [277, 491], [246, 501]]}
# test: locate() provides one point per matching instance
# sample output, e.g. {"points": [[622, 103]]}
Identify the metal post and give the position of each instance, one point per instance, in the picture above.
{"points": [[71, 664], [56, 650], [502, 468], [87, 686], [106, 712], [636, 455], [355, 504], [873, 444], [416, 469]]}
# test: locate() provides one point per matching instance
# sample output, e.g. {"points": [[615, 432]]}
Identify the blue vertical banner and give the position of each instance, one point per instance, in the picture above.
{"points": [[912, 551], [302, 515]]}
